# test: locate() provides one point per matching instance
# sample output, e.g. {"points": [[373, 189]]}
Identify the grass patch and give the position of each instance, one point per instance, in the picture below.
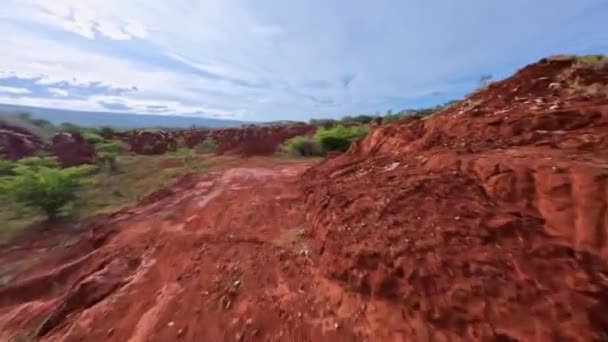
{"points": [[135, 177], [595, 62], [575, 78]]}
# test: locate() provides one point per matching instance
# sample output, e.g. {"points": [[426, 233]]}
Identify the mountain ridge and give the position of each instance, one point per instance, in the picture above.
{"points": [[118, 120]]}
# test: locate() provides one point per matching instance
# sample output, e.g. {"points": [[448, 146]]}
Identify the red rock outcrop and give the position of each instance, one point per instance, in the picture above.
{"points": [[150, 142], [72, 150], [249, 140], [17, 142]]}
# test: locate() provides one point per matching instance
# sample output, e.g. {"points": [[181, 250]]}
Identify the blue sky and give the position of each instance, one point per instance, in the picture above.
{"points": [[273, 59]]}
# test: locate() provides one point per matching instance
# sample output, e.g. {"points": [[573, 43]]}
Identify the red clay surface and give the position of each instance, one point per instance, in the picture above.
{"points": [[218, 257], [485, 222]]}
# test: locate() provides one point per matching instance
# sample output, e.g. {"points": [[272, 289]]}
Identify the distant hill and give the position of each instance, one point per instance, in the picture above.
{"points": [[117, 120]]}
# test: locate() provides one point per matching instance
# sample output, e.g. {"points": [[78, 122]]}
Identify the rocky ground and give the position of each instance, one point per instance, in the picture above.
{"points": [[485, 222]]}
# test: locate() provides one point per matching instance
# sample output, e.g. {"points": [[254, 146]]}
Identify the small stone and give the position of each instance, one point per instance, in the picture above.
{"points": [[180, 332], [237, 283], [457, 218], [171, 324], [336, 325], [110, 331]]}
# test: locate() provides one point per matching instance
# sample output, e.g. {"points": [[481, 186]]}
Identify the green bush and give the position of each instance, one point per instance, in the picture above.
{"points": [[361, 119], [39, 162], [300, 146], [44, 188], [6, 167], [338, 138], [92, 138], [207, 146], [108, 153], [71, 128]]}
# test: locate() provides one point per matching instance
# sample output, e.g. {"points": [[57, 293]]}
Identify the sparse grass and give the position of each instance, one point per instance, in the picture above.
{"points": [[136, 177], [560, 58], [595, 62], [574, 77]]}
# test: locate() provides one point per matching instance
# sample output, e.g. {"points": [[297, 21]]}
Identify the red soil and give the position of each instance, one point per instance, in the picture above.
{"points": [[217, 257], [483, 222]]}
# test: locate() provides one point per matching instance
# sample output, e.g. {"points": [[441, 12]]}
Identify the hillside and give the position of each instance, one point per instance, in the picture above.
{"points": [[118, 120], [486, 221]]}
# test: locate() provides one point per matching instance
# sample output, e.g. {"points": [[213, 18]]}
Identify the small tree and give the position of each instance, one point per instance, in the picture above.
{"points": [[6, 167], [300, 146], [485, 80], [209, 145], [108, 153], [38, 162], [92, 138], [338, 138], [44, 188]]}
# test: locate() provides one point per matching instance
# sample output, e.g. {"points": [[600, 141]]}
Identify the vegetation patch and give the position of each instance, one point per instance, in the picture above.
{"points": [[338, 138], [38, 184], [35, 188], [209, 145], [300, 146]]}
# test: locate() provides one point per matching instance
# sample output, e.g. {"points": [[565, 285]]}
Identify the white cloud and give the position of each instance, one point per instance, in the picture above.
{"points": [[85, 18], [273, 59], [136, 29], [14, 90], [112, 30], [58, 92]]}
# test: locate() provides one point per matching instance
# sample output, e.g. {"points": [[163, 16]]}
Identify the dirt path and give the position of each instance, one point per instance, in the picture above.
{"points": [[219, 257]]}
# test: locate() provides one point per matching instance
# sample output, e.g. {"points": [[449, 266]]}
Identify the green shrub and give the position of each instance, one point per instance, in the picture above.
{"points": [[338, 138], [108, 153], [106, 131], [71, 128], [300, 146], [360, 119], [110, 146], [44, 188], [207, 146], [6, 167], [92, 138], [38, 162]]}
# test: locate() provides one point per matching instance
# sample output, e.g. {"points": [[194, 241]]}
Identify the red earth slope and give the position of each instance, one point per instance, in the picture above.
{"points": [[485, 221]]}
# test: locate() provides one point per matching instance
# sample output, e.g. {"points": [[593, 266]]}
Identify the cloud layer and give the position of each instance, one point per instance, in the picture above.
{"points": [[271, 59]]}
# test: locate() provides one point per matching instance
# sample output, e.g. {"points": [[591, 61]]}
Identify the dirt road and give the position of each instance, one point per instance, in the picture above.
{"points": [[218, 257]]}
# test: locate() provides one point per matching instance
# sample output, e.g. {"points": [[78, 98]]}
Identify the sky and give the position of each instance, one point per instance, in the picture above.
{"points": [[264, 60]]}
